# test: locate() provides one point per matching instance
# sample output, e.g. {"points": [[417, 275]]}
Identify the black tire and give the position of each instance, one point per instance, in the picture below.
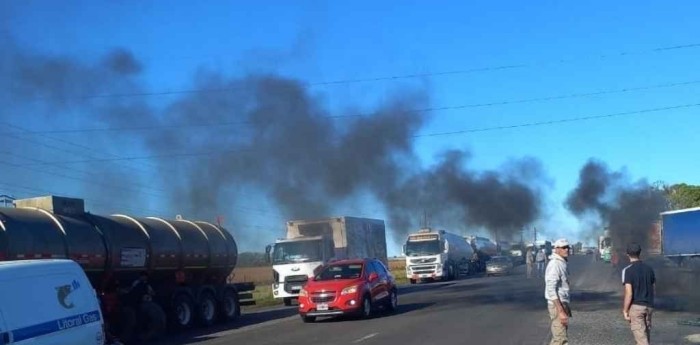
{"points": [[308, 319], [206, 308], [154, 321], [412, 281], [288, 301], [393, 301], [182, 311], [366, 309], [229, 308], [125, 328]]}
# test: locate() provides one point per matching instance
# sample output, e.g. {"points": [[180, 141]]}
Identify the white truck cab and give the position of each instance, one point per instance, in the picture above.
{"points": [[48, 302]]}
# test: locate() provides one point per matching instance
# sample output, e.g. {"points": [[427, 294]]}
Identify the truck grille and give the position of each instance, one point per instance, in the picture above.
{"points": [[323, 297], [423, 261], [422, 269], [298, 278]]}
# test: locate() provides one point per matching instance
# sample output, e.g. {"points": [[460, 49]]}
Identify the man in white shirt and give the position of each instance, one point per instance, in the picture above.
{"points": [[556, 292]]}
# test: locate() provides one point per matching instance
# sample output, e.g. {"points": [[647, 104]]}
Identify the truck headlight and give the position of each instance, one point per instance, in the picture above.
{"points": [[303, 293], [349, 290]]}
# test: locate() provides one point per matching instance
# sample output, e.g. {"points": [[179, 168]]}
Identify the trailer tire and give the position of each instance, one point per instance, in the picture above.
{"points": [[126, 325], [206, 308], [230, 308], [155, 321], [182, 311]]}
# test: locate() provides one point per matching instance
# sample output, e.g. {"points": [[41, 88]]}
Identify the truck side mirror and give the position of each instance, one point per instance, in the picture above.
{"points": [[403, 250], [268, 250]]}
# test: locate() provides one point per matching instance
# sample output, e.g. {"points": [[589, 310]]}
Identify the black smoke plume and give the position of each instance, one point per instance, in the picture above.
{"points": [[237, 140], [629, 209]]}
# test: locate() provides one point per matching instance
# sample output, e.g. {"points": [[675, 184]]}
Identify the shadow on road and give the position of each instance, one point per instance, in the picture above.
{"points": [[402, 309], [247, 319]]}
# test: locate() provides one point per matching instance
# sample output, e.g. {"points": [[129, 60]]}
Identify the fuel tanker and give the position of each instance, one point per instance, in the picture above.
{"points": [[186, 263]]}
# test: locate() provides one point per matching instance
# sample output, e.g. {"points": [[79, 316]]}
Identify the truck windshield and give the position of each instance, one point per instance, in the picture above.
{"points": [[423, 248], [300, 251]]}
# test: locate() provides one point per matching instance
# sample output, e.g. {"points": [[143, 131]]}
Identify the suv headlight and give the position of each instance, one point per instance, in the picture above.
{"points": [[349, 290], [303, 293]]}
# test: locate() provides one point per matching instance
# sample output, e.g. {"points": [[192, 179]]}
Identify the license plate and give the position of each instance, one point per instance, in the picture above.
{"points": [[322, 307], [296, 288], [425, 275]]}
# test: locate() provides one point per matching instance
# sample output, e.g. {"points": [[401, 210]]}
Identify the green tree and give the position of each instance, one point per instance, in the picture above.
{"points": [[682, 196]]}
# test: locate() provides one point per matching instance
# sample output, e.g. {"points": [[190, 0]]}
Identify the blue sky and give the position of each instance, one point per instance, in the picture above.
{"points": [[565, 47]]}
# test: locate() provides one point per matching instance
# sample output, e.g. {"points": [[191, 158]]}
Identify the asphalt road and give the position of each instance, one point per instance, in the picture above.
{"points": [[476, 310]]}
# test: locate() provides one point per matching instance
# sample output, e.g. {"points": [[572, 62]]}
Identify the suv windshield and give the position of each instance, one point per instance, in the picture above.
{"points": [[300, 251], [423, 248], [346, 271], [500, 260]]}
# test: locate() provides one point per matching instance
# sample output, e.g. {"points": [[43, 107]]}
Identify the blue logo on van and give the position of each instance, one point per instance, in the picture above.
{"points": [[64, 291]]}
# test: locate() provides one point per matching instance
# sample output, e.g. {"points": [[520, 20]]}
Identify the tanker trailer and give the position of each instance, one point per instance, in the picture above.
{"points": [[187, 262]]}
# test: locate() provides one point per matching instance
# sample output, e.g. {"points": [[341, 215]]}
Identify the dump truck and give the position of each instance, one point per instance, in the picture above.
{"points": [[436, 255], [187, 263], [310, 244]]}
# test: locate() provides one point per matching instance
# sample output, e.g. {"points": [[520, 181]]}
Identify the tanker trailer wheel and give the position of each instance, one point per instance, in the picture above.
{"points": [[154, 321], [206, 308], [229, 309], [182, 314]]}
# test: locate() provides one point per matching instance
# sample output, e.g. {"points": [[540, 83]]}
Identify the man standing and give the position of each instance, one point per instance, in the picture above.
{"points": [[540, 259], [640, 284], [529, 261], [556, 292]]}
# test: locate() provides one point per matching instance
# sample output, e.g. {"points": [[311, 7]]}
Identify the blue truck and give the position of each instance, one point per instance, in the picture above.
{"points": [[680, 235]]}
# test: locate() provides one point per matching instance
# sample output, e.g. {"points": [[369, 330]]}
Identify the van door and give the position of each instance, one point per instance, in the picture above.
{"points": [[57, 307]]}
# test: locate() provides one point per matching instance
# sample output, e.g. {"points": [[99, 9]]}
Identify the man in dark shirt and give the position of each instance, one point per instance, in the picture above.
{"points": [[640, 285]]}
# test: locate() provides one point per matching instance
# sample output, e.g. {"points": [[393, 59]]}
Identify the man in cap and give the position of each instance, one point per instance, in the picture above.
{"points": [[556, 278], [640, 285]]}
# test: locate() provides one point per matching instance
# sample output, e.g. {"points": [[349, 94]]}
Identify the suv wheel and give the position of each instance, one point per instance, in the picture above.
{"points": [[393, 301], [366, 309]]}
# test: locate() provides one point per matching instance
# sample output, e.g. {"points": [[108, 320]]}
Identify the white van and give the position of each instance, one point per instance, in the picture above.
{"points": [[48, 302]]}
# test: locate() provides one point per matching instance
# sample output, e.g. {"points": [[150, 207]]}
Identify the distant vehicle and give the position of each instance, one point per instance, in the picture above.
{"points": [[436, 254], [517, 253], [679, 236], [348, 287], [484, 249], [499, 265], [605, 246], [312, 243], [68, 309], [589, 250]]}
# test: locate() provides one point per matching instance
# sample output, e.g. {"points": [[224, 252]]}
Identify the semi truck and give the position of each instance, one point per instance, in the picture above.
{"points": [[310, 244], [436, 255], [605, 246], [484, 249], [680, 236], [186, 263]]}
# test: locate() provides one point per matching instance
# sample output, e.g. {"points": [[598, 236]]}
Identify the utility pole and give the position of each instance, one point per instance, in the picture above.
{"points": [[535, 233]]}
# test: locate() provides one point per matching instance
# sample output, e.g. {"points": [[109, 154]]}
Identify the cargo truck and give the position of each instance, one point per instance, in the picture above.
{"points": [[187, 263], [436, 255], [310, 244], [680, 236]]}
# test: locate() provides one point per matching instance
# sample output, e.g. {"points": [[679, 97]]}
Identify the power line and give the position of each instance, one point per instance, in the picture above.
{"points": [[430, 109], [560, 121], [465, 131], [391, 78]]}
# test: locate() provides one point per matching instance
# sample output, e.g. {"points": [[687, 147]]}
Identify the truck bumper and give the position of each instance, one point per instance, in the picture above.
{"points": [[279, 290]]}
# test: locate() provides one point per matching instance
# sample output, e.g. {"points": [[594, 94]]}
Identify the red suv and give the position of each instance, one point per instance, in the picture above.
{"points": [[348, 287]]}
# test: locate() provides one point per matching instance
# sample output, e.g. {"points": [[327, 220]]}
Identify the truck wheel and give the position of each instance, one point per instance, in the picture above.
{"points": [[126, 325], [230, 309], [155, 321], [182, 311], [450, 272], [412, 281], [206, 309], [308, 319], [287, 301]]}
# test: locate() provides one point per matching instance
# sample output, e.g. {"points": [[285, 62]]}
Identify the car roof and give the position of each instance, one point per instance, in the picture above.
{"points": [[349, 262]]}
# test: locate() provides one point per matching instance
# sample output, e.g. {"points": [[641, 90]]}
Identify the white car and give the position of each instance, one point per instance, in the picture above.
{"points": [[48, 302]]}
